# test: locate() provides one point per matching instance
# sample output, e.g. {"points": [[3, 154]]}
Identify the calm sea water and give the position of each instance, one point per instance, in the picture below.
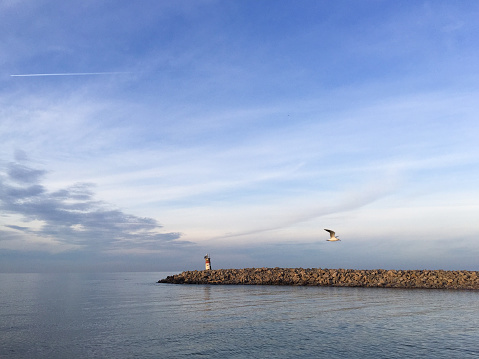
{"points": [[128, 315]]}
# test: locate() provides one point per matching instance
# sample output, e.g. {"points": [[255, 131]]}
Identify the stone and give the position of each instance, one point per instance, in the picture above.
{"points": [[331, 277]]}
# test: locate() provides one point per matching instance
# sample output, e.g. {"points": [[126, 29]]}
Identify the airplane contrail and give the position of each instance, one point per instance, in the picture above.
{"points": [[70, 74]]}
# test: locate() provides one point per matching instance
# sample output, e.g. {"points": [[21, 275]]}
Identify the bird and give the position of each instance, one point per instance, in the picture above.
{"points": [[332, 237]]}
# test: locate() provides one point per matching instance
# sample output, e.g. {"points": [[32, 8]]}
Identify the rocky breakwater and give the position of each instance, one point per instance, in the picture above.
{"points": [[437, 279]]}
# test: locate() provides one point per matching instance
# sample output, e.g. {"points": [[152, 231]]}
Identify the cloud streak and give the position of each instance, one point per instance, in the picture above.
{"points": [[70, 74], [350, 201]]}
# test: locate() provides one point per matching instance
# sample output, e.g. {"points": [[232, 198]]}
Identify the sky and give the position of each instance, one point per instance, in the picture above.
{"points": [[139, 136]]}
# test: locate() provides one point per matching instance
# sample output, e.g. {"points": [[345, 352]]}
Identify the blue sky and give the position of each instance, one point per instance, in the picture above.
{"points": [[165, 130]]}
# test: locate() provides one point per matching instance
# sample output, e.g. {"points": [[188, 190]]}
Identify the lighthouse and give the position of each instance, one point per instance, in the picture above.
{"points": [[207, 262]]}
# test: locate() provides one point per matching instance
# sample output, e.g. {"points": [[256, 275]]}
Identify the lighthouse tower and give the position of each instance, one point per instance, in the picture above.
{"points": [[207, 262]]}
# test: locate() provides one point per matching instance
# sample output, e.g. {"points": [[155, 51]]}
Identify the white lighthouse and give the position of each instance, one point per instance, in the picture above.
{"points": [[207, 262]]}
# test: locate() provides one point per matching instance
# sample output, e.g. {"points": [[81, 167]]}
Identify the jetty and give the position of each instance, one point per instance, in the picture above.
{"points": [[380, 278]]}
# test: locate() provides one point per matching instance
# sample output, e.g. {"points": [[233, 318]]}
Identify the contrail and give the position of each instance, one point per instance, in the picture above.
{"points": [[70, 74]]}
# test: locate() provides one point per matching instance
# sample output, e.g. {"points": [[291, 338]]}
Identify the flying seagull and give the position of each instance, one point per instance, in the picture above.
{"points": [[332, 237]]}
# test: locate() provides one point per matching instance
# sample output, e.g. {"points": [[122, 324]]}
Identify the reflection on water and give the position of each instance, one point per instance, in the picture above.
{"points": [[125, 315]]}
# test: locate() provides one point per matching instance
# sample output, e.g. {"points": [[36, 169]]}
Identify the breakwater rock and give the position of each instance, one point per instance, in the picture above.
{"points": [[437, 279]]}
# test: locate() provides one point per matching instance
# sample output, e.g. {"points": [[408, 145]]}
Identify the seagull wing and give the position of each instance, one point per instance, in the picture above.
{"points": [[331, 233]]}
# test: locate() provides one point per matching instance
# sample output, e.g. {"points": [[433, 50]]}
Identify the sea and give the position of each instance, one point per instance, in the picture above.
{"points": [[129, 315]]}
